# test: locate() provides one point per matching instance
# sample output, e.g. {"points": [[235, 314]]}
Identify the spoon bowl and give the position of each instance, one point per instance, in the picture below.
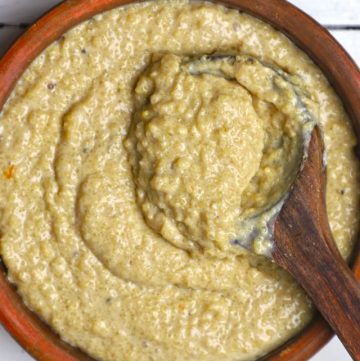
{"points": [[284, 92]]}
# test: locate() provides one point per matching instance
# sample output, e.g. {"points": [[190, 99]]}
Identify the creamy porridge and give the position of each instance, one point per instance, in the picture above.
{"points": [[122, 177]]}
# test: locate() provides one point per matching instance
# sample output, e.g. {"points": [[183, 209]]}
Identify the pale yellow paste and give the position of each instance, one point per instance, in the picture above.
{"points": [[198, 148]]}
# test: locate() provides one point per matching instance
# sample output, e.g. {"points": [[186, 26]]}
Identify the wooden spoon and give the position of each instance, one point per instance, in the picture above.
{"points": [[304, 246], [303, 243]]}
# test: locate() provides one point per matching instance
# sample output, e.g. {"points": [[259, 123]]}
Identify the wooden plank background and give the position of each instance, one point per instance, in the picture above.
{"points": [[332, 12], [329, 12]]}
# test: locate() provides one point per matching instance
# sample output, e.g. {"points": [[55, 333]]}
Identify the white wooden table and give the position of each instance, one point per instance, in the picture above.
{"points": [[341, 17]]}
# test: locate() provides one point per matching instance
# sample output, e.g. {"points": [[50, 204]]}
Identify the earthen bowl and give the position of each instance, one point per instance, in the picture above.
{"points": [[36, 337]]}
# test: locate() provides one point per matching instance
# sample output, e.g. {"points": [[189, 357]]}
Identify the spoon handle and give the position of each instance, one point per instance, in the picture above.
{"points": [[305, 247]]}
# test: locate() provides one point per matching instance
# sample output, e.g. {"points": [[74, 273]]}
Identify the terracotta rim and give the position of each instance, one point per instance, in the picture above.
{"points": [[37, 338]]}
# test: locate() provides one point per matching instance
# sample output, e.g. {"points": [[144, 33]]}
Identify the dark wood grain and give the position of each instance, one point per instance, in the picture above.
{"points": [[305, 247]]}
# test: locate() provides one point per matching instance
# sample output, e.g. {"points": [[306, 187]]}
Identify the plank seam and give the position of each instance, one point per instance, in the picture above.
{"points": [[21, 25], [342, 27]]}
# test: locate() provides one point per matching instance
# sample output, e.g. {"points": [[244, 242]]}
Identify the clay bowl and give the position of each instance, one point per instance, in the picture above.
{"points": [[37, 338]]}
